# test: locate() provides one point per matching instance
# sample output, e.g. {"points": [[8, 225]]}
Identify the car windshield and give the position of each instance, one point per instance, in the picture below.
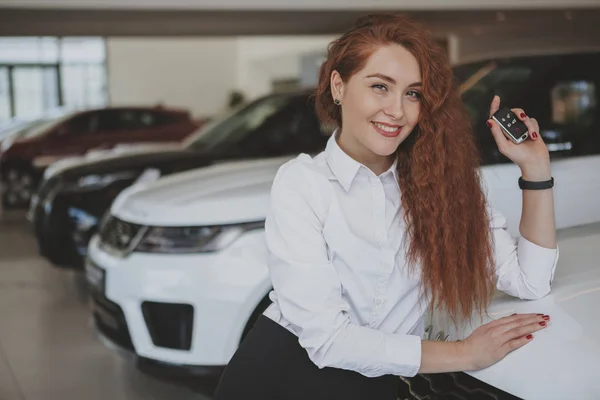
{"points": [[233, 127]]}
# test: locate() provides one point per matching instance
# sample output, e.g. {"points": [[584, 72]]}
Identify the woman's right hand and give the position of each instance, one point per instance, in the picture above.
{"points": [[491, 342]]}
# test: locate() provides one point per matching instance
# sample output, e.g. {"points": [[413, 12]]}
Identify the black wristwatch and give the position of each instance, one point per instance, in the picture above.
{"points": [[540, 185]]}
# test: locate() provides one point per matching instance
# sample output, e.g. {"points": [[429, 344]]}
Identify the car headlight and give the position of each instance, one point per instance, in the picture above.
{"points": [[97, 181], [200, 239]]}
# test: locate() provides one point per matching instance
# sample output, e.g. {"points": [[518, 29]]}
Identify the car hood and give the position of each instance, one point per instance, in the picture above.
{"points": [[563, 360], [220, 194], [116, 152]]}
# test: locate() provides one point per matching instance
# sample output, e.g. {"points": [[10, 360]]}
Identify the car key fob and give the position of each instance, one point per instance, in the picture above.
{"points": [[512, 127]]}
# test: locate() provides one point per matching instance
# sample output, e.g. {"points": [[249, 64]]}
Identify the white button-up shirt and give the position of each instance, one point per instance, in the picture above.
{"points": [[337, 263]]}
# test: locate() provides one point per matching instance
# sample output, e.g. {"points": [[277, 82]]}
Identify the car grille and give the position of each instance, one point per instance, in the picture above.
{"points": [[170, 325], [449, 386], [119, 235]]}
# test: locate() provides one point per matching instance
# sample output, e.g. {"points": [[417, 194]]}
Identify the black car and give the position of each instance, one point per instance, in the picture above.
{"points": [[69, 205]]}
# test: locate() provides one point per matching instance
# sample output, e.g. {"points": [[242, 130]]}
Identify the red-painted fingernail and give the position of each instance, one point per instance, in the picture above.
{"points": [[534, 135], [489, 124], [542, 323], [546, 317], [523, 115], [529, 337]]}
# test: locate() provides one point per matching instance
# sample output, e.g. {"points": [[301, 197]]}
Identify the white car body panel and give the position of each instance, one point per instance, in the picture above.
{"points": [[563, 360], [228, 192], [226, 286]]}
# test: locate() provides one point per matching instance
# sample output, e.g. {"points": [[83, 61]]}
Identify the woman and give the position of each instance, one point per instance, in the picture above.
{"points": [[388, 220]]}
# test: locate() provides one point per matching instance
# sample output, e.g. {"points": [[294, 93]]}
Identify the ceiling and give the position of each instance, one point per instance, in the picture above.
{"points": [[307, 5], [88, 22]]}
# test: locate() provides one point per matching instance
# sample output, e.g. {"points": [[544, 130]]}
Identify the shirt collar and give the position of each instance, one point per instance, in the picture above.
{"points": [[344, 167]]}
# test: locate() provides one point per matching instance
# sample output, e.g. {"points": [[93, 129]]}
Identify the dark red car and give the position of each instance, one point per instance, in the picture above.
{"points": [[23, 158]]}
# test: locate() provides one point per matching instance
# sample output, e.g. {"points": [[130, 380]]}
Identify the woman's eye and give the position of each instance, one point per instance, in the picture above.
{"points": [[379, 87], [414, 94]]}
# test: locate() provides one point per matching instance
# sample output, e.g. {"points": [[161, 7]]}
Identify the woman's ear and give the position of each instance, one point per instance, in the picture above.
{"points": [[337, 86]]}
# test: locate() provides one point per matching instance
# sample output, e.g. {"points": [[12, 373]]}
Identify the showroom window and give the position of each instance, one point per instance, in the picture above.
{"points": [[508, 82], [574, 113], [574, 103], [41, 74]]}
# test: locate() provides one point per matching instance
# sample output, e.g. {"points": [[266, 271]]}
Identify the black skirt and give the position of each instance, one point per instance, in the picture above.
{"points": [[270, 364]]}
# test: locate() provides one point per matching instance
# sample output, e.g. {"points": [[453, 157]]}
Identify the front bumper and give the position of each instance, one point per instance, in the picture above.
{"points": [[111, 326], [110, 321], [186, 309]]}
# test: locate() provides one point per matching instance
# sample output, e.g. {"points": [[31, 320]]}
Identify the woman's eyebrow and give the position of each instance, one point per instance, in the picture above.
{"points": [[392, 80], [384, 77]]}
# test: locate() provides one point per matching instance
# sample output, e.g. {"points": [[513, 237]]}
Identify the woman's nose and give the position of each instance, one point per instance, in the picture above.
{"points": [[394, 109]]}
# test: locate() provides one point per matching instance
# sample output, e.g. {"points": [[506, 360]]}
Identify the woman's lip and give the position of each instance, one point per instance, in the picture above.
{"points": [[386, 124], [386, 133]]}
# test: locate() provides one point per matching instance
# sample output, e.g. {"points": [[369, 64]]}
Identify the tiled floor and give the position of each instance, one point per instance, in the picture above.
{"points": [[48, 349]]}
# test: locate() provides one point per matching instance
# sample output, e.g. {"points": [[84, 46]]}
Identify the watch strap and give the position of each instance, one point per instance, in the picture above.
{"points": [[539, 185]]}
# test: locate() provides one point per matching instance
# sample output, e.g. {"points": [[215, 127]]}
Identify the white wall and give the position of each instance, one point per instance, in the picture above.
{"points": [[195, 73], [198, 74], [263, 59]]}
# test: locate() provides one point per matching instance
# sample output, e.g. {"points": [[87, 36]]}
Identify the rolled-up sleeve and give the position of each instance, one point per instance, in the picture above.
{"points": [[309, 292], [523, 268]]}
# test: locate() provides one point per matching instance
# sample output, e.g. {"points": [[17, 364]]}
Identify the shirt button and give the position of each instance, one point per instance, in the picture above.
{"points": [[378, 302]]}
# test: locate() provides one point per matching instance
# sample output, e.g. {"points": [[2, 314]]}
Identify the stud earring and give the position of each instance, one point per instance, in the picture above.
{"points": [[337, 102]]}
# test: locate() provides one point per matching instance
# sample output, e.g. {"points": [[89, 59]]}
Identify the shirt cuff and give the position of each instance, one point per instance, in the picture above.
{"points": [[538, 263], [404, 352]]}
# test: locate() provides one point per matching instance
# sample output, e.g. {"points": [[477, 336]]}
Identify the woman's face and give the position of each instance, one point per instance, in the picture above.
{"points": [[380, 103]]}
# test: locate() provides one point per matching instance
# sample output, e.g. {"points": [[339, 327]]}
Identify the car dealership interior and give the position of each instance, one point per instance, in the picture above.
{"points": [[139, 140]]}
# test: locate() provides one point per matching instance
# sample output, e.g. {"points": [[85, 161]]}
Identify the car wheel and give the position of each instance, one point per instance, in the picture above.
{"points": [[18, 187], [262, 306]]}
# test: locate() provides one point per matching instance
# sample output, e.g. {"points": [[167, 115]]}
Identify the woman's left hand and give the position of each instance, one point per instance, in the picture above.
{"points": [[532, 155]]}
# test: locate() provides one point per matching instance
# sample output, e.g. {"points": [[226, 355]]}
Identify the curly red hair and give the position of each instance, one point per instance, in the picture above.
{"points": [[444, 204]]}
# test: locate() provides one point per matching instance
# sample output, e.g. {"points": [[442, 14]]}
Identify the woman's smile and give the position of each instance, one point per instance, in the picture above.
{"points": [[387, 130]]}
